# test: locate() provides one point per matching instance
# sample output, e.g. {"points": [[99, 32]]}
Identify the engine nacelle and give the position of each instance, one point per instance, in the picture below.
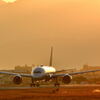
{"points": [[67, 79], [17, 79]]}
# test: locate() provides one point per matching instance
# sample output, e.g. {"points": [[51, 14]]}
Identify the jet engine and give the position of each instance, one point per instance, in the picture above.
{"points": [[67, 79], [17, 79]]}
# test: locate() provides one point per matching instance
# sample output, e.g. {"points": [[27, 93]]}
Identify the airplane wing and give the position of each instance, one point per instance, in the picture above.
{"points": [[74, 73], [59, 71], [15, 74], [54, 75]]}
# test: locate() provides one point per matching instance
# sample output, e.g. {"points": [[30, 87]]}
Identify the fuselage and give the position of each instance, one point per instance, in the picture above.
{"points": [[41, 71]]}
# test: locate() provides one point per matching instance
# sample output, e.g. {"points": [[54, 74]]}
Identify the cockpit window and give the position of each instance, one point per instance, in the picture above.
{"points": [[37, 71]]}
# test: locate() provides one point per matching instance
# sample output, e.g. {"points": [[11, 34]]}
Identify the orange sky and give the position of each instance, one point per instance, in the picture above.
{"points": [[29, 27]]}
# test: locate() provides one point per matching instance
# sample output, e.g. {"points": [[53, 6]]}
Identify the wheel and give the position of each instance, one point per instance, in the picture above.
{"points": [[37, 84], [56, 84], [32, 85]]}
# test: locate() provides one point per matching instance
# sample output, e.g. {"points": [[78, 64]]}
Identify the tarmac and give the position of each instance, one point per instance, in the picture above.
{"points": [[65, 92]]}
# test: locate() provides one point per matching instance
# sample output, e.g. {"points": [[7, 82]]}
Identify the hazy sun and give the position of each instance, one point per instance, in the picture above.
{"points": [[9, 1]]}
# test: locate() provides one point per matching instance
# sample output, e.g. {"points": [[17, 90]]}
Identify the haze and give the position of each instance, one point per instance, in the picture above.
{"points": [[28, 28]]}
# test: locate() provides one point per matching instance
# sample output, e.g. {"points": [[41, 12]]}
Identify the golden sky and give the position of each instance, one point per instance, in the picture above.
{"points": [[29, 27]]}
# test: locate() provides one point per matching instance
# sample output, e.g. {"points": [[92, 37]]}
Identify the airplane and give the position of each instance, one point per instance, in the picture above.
{"points": [[46, 73]]}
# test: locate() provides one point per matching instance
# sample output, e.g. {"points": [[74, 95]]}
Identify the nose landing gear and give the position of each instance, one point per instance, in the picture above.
{"points": [[57, 84], [33, 84]]}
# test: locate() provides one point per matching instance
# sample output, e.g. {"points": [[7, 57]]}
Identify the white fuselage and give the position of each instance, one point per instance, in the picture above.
{"points": [[42, 71]]}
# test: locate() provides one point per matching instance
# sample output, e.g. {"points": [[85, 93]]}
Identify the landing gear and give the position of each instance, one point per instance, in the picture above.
{"points": [[37, 84], [33, 84], [57, 84]]}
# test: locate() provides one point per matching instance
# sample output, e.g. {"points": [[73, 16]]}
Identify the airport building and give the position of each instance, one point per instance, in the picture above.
{"points": [[92, 74], [87, 67], [24, 68]]}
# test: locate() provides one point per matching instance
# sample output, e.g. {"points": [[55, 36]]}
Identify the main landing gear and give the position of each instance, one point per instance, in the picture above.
{"points": [[57, 84]]}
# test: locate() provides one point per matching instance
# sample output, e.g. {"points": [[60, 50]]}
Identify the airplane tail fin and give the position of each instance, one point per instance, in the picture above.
{"points": [[51, 57]]}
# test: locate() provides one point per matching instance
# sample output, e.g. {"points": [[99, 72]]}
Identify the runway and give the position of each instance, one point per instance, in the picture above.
{"points": [[51, 86], [65, 92]]}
